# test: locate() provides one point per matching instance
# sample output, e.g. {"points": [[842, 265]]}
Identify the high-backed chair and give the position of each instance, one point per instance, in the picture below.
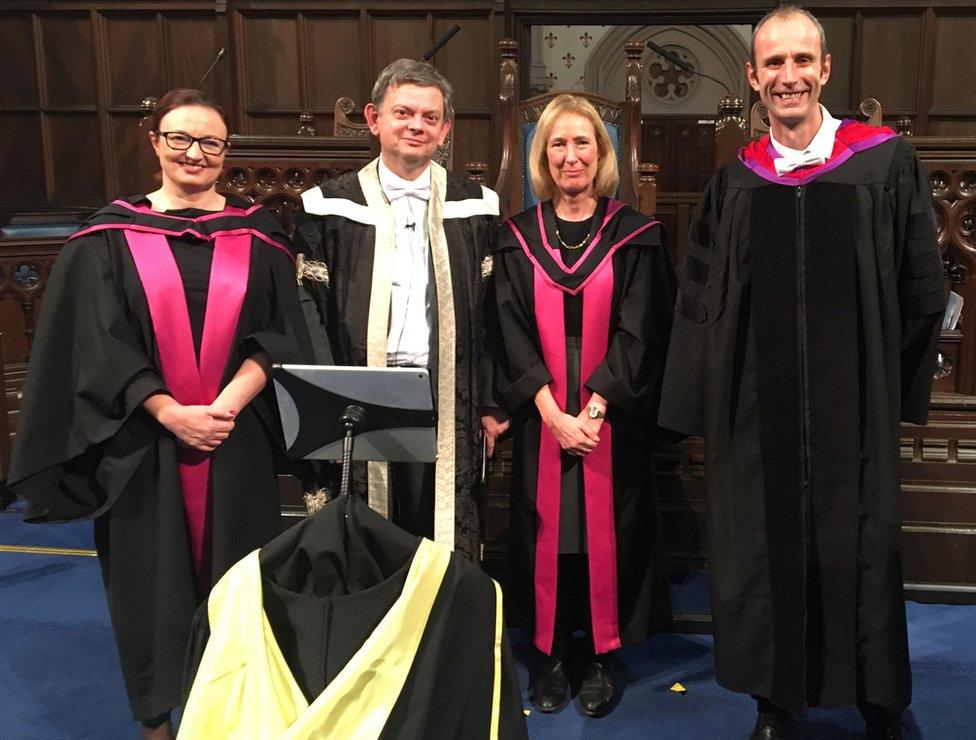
{"points": [[622, 118]]}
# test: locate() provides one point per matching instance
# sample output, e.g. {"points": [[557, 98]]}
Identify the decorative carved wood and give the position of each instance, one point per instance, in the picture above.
{"points": [[276, 170], [343, 126], [731, 129]]}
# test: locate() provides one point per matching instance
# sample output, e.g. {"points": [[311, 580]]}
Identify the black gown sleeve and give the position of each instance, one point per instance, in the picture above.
{"points": [[81, 432], [313, 294], [682, 407], [921, 289], [285, 336], [630, 375], [519, 368]]}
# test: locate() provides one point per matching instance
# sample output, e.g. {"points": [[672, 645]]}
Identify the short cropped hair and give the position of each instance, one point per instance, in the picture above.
{"points": [[785, 11], [412, 72], [179, 97], [607, 175]]}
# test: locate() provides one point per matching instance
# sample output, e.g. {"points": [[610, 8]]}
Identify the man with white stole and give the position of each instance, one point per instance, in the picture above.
{"points": [[404, 244]]}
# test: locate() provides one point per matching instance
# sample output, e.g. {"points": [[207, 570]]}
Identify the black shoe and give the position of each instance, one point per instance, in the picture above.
{"points": [[883, 723], [550, 691], [890, 731], [771, 727], [596, 688]]}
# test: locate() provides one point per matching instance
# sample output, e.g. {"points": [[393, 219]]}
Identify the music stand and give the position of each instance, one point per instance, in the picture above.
{"points": [[331, 412]]}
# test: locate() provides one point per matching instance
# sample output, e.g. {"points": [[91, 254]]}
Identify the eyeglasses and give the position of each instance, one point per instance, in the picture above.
{"points": [[180, 142]]}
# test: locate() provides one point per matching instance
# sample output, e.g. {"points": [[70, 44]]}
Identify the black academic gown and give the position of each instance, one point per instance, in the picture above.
{"points": [[327, 583], [627, 284], [344, 224], [85, 448], [805, 332]]}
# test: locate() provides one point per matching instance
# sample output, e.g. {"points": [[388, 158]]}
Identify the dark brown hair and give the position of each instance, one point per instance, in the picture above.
{"points": [[181, 96]]}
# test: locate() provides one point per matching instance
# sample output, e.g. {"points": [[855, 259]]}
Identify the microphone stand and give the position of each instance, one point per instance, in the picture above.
{"points": [[353, 418]]}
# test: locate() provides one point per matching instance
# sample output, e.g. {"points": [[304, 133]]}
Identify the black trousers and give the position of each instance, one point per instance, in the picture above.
{"points": [[412, 497]]}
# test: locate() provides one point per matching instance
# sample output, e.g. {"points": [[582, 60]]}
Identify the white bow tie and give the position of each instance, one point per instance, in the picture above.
{"points": [[396, 190], [784, 165]]}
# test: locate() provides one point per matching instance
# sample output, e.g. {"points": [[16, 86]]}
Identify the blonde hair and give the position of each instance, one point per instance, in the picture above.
{"points": [[607, 176]]}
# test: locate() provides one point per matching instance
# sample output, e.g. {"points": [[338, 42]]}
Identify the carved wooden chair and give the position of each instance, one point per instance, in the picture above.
{"points": [[759, 117], [622, 118]]}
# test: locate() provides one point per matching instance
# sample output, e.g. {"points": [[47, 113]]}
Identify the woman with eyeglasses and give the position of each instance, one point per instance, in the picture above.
{"points": [[146, 404]]}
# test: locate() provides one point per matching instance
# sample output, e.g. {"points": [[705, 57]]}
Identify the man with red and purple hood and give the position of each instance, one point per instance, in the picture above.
{"points": [[805, 332]]}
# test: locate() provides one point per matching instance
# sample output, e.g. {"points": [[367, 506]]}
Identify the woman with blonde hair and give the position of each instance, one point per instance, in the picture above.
{"points": [[582, 299]]}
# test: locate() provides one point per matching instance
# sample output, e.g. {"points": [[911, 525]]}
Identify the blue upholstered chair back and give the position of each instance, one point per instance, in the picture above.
{"points": [[527, 134]]}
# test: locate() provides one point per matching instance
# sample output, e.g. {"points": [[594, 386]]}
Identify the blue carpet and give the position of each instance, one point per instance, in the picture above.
{"points": [[60, 678]]}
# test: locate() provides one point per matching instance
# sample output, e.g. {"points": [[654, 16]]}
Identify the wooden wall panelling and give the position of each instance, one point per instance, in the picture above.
{"points": [[21, 147], [894, 83], [134, 41], [939, 502], [17, 53], [836, 95], [76, 157], [67, 82], [267, 56], [21, 159], [463, 61], [953, 97], [336, 65], [404, 34], [67, 60]]}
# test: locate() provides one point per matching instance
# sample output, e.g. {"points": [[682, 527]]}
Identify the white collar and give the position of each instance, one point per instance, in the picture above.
{"points": [[395, 186], [822, 145]]}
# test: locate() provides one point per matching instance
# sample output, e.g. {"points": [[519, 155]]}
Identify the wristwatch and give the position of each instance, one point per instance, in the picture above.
{"points": [[595, 412]]}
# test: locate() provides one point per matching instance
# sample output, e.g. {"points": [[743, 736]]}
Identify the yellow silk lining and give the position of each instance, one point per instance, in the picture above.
{"points": [[444, 470], [378, 327], [244, 688], [496, 692], [378, 323]]}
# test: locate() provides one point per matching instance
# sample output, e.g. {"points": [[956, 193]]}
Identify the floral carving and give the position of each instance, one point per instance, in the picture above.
{"points": [[670, 83]]}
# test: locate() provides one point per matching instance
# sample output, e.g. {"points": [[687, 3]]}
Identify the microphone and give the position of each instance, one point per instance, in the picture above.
{"points": [[682, 64], [440, 42], [220, 55]]}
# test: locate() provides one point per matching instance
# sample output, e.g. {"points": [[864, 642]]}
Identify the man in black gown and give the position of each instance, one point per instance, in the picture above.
{"points": [[805, 332], [404, 243]]}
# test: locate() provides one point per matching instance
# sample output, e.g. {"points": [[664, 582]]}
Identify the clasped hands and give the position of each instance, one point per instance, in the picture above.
{"points": [[577, 435], [200, 427]]}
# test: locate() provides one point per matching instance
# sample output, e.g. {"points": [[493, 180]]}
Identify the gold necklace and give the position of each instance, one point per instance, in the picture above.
{"points": [[571, 246]]}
